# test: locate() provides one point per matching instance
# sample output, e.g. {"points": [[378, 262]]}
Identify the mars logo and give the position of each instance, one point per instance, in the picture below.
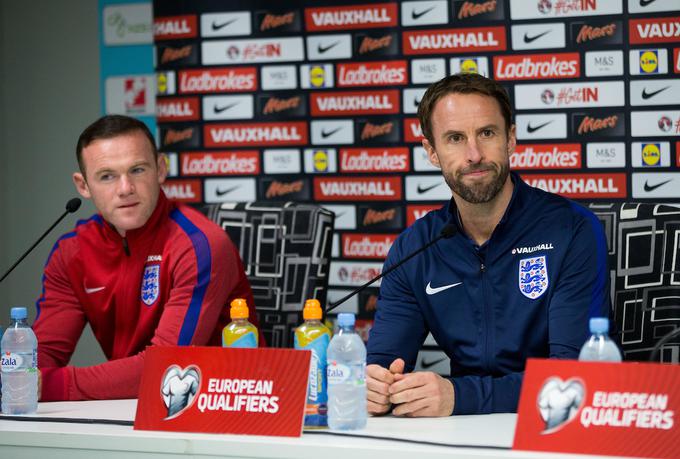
{"points": [[179, 388], [559, 401], [651, 154]]}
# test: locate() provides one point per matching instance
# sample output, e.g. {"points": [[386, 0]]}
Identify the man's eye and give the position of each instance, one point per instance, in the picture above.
{"points": [[455, 138], [138, 170], [487, 133], [105, 177]]}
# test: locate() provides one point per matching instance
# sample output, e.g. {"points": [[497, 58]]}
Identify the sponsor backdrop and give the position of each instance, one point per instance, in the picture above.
{"points": [[126, 57], [316, 101]]}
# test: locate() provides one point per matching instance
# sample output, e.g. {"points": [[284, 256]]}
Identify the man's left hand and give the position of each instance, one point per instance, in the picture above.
{"points": [[421, 394]]}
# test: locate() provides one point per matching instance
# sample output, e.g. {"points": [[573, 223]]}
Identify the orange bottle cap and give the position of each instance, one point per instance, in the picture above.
{"points": [[239, 309], [312, 310]]}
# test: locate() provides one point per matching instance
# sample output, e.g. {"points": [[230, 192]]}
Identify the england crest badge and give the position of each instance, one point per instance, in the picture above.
{"points": [[533, 277], [150, 284]]}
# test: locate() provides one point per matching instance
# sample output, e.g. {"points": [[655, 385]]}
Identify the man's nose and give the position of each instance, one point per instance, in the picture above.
{"points": [[125, 185], [473, 152]]}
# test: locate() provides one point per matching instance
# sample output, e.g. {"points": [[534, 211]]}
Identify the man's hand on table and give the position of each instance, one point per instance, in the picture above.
{"points": [[414, 394]]}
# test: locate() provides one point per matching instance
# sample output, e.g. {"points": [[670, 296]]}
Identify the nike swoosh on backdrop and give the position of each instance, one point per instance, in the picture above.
{"points": [[421, 189], [647, 95], [325, 134], [531, 128], [217, 27], [431, 291], [528, 39], [323, 49], [228, 190], [217, 109], [644, 3], [415, 15], [649, 187]]}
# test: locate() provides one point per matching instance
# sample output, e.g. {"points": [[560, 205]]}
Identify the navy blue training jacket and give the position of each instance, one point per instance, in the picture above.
{"points": [[529, 291]]}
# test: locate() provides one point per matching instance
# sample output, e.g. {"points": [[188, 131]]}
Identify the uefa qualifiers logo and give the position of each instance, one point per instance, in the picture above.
{"points": [[559, 402], [179, 388]]}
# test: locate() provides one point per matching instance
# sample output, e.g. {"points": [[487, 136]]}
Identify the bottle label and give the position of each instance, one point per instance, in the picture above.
{"points": [[337, 373], [246, 341], [317, 370], [13, 362]]}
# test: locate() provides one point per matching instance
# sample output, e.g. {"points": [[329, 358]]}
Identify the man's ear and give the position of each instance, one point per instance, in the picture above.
{"points": [[512, 139], [162, 165], [81, 185], [431, 153]]}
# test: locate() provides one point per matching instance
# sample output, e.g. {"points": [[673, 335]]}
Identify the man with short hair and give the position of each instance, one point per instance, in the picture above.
{"points": [[143, 272], [520, 278]]}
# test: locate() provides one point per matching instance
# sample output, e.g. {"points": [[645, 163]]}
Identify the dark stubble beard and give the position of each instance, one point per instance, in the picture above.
{"points": [[480, 192]]}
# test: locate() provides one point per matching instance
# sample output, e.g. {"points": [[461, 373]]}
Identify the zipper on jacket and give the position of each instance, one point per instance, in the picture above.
{"points": [[125, 247], [487, 325]]}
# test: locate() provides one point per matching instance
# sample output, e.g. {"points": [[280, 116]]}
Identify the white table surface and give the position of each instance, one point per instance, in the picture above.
{"points": [[484, 436]]}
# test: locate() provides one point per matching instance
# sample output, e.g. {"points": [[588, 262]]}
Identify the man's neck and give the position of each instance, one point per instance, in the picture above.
{"points": [[479, 220]]}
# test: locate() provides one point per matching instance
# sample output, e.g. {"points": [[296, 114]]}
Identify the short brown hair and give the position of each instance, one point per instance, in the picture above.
{"points": [[461, 83], [110, 126]]}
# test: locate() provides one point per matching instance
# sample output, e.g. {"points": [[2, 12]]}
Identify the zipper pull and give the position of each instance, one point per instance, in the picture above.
{"points": [[482, 268], [125, 247]]}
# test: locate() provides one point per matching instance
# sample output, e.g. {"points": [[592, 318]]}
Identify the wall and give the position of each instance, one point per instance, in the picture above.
{"points": [[49, 93]]}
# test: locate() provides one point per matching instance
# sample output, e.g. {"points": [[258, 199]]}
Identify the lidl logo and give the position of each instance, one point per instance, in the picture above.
{"points": [[317, 76], [469, 66], [649, 62], [320, 161], [651, 154]]}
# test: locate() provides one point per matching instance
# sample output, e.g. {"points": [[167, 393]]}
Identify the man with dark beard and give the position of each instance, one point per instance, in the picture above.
{"points": [[520, 278]]}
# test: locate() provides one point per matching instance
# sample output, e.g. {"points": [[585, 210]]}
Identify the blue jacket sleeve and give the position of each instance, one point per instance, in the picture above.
{"points": [[399, 327], [581, 291]]}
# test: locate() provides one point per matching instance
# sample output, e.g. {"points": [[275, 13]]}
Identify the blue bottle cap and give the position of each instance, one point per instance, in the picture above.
{"points": [[599, 325], [345, 319], [18, 313]]}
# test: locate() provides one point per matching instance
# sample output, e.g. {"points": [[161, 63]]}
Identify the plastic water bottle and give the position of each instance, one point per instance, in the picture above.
{"points": [[315, 336], [239, 332], [346, 373], [19, 366], [599, 347]]}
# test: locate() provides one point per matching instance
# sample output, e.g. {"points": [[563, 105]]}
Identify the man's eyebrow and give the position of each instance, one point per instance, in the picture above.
{"points": [[482, 128]]}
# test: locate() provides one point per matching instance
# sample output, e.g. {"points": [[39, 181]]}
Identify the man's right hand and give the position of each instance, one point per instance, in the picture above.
{"points": [[378, 381]]}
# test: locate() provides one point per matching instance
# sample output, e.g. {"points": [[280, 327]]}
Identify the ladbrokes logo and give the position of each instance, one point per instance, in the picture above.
{"points": [[218, 80], [355, 103], [556, 156], [372, 73], [374, 159], [221, 163], [454, 40], [367, 245], [284, 133], [183, 190], [177, 109], [351, 17], [352, 189], [581, 185], [174, 27], [656, 30], [534, 66]]}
